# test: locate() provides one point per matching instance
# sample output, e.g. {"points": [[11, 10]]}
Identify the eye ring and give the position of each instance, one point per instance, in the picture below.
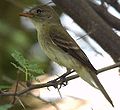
{"points": [[38, 11]]}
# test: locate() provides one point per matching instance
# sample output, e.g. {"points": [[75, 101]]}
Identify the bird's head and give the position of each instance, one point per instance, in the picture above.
{"points": [[41, 14]]}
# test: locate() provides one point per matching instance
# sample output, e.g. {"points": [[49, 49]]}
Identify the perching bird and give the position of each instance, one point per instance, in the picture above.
{"points": [[59, 46]]}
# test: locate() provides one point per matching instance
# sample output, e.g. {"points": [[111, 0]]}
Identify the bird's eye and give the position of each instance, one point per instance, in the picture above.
{"points": [[39, 11]]}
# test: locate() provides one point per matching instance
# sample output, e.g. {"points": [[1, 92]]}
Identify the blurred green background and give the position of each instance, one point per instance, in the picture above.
{"points": [[14, 36]]}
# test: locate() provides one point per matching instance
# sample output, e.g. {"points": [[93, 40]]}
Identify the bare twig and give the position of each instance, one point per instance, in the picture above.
{"points": [[109, 67], [55, 82], [16, 87]]}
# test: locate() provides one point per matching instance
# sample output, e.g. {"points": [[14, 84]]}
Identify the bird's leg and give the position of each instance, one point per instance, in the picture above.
{"points": [[62, 78]]}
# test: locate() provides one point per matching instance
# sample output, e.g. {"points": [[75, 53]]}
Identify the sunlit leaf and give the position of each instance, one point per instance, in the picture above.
{"points": [[20, 59], [5, 107], [24, 63], [4, 86]]}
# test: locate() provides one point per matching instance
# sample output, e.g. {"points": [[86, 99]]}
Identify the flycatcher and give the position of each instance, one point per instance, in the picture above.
{"points": [[59, 46]]}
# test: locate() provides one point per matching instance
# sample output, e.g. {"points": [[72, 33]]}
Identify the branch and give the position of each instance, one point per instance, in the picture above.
{"points": [[88, 19], [55, 83], [114, 3], [109, 18]]}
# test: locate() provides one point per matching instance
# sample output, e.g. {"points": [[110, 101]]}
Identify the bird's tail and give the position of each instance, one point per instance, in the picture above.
{"points": [[91, 78]]}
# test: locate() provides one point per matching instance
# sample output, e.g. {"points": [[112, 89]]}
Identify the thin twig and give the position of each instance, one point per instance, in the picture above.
{"points": [[18, 74], [54, 82]]}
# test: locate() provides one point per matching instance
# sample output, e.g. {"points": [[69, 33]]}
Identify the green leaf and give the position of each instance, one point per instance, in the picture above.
{"points": [[4, 86], [20, 59], [5, 107], [25, 64], [34, 68]]}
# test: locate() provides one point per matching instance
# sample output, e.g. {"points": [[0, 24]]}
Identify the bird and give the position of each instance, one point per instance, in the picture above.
{"points": [[60, 47]]}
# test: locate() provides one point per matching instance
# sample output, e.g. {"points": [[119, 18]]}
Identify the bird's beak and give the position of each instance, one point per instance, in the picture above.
{"points": [[26, 14]]}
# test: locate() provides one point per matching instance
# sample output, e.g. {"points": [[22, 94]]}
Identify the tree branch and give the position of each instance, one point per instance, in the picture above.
{"points": [[114, 3], [102, 11], [55, 83], [88, 19]]}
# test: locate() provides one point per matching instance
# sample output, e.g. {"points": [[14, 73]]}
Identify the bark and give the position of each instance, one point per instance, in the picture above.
{"points": [[114, 3], [109, 18], [89, 20]]}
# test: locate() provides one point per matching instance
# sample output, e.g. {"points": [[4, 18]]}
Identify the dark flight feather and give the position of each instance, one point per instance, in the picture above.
{"points": [[70, 47]]}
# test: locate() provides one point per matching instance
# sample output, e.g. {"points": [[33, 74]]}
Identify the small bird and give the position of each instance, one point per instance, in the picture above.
{"points": [[60, 47]]}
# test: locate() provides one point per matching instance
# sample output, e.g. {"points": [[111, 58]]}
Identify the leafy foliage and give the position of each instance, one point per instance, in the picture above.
{"points": [[4, 86], [5, 107], [25, 65]]}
